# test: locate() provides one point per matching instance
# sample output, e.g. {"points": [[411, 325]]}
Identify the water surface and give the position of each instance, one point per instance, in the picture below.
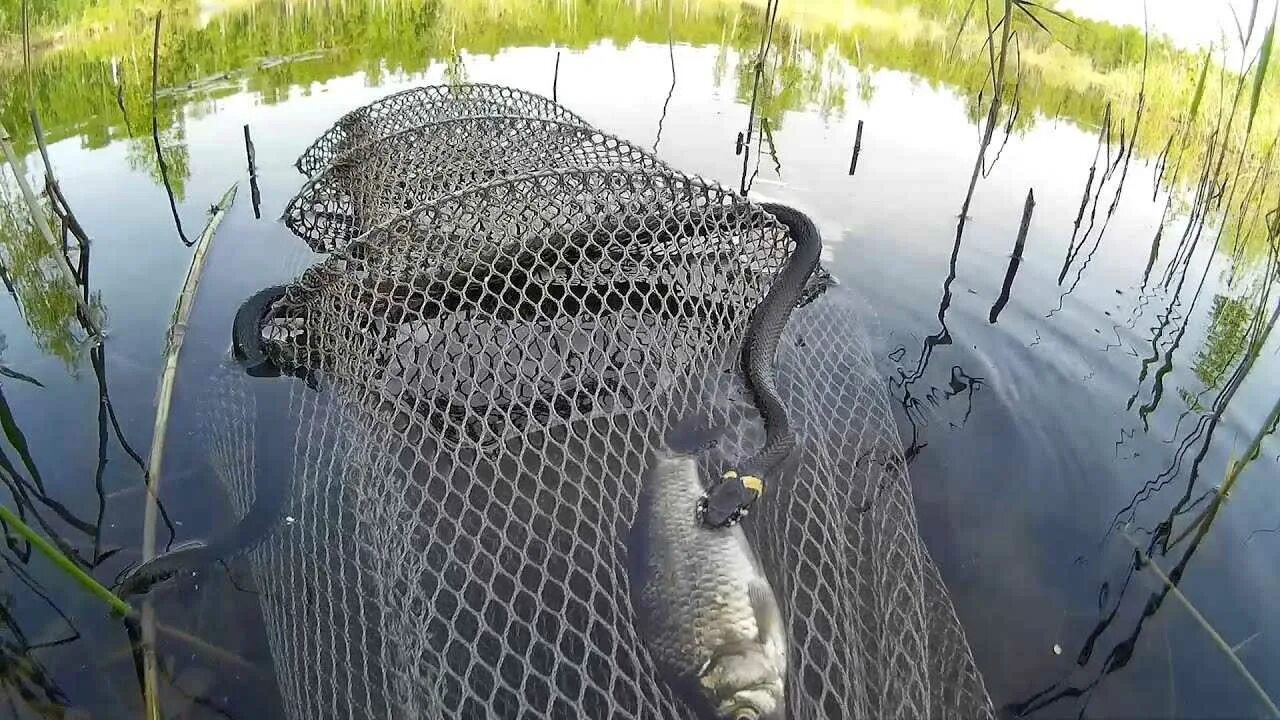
{"points": [[1045, 444]]}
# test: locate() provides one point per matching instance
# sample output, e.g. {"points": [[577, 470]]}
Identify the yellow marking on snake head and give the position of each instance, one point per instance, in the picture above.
{"points": [[753, 483]]}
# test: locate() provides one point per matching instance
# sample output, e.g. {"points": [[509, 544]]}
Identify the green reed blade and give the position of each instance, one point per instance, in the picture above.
{"points": [[64, 563], [1264, 59], [1199, 93]]}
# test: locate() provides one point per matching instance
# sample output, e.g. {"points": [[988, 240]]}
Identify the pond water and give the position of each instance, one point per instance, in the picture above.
{"points": [[1047, 440]]}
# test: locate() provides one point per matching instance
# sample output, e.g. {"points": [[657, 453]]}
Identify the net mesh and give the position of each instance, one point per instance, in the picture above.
{"points": [[417, 107], [489, 375], [396, 173]]}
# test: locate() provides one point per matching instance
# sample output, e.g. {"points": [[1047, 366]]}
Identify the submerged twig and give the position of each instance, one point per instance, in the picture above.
{"points": [[1216, 637], [177, 333], [198, 644]]}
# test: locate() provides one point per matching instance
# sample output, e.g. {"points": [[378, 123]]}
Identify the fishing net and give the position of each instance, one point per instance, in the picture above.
{"points": [[399, 172], [485, 380], [417, 107]]}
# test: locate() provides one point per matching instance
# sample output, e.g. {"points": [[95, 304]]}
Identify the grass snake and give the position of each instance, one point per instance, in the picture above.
{"points": [[723, 504]]}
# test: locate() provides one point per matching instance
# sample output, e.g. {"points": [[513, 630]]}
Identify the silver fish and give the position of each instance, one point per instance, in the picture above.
{"points": [[706, 610]]}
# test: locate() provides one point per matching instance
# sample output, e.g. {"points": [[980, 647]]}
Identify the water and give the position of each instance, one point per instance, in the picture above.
{"points": [[1043, 445]]}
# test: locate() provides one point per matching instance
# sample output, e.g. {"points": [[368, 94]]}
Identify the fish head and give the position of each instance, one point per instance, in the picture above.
{"points": [[745, 684]]}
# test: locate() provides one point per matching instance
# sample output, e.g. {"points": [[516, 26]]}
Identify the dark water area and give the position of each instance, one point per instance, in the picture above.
{"points": [[1047, 440]]}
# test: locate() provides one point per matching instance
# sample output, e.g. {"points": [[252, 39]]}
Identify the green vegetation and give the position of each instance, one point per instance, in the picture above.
{"points": [[64, 563], [1072, 73], [92, 75], [47, 297], [1229, 321]]}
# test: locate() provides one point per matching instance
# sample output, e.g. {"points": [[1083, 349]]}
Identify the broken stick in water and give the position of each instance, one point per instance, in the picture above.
{"points": [[252, 156], [857, 149], [1016, 259]]}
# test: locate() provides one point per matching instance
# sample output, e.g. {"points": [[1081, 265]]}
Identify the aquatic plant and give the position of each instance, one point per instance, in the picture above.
{"points": [[63, 563]]}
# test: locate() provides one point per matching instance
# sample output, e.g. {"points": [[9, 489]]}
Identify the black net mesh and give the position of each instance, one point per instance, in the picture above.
{"points": [[417, 107], [487, 378], [399, 172]]}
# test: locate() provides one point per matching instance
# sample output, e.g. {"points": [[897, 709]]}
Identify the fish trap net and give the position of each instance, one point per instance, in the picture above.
{"points": [[486, 379], [417, 107], [396, 173]]}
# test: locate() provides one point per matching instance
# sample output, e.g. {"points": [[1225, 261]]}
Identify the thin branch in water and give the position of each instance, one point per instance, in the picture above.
{"points": [[1162, 164], [51, 181], [1262, 531], [55, 189], [117, 77], [993, 111], [1171, 585], [555, 80], [1015, 107], [666, 104], [155, 133], [766, 42], [1155, 249], [964, 22]]}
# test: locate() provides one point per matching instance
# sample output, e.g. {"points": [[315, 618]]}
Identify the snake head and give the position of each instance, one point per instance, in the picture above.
{"points": [[729, 500]]}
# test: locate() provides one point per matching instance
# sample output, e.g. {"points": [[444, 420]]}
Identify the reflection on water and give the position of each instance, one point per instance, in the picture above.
{"points": [[1072, 382]]}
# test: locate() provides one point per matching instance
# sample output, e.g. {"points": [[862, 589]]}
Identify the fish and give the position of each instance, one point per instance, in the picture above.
{"points": [[705, 609]]}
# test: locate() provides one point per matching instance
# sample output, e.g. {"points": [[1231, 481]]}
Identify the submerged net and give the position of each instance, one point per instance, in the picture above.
{"points": [[487, 377]]}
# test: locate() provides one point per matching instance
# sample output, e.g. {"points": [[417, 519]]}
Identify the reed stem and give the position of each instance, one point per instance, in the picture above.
{"points": [[64, 563], [177, 333]]}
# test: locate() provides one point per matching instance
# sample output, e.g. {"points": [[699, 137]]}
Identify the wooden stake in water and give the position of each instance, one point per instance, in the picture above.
{"points": [[857, 150], [173, 346], [252, 155], [1016, 259]]}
